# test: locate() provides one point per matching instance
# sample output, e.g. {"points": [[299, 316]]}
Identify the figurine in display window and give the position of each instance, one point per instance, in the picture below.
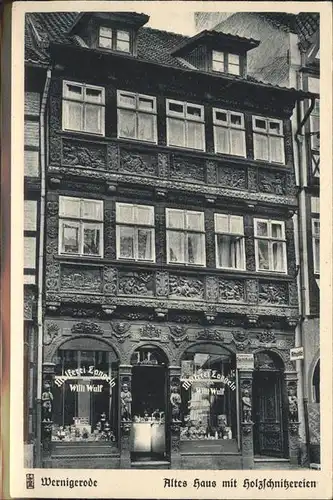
{"points": [[126, 403]]}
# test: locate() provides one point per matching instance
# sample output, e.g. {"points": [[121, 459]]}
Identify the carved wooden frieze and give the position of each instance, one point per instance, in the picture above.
{"points": [[80, 278], [163, 165], [178, 334], [51, 332], [83, 154], [185, 169], [212, 288], [120, 329], [110, 280], [86, 328], [231, 177], [137, 162], [272, 182], [231, 290], [252, 291], [162, 283], [136, 283], [273, 293], [185, 287], [208, 334], [150, 331], [211, 172]]}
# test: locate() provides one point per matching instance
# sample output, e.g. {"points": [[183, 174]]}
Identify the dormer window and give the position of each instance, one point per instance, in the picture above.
{"points": [[114, 39], [225, 62]]}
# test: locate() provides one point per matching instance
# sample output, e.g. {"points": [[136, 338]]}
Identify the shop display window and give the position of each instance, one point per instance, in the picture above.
{"points": [[208, 394], [85, 398]]}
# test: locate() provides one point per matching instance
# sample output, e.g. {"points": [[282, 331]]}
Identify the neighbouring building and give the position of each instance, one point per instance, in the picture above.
{"points": [[163, 182], [289, 55]]}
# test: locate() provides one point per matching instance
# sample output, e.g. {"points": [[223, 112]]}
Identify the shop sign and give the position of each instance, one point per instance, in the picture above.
{"points": [[245, 361], [211, 376], [296, 353], [84, 374]]}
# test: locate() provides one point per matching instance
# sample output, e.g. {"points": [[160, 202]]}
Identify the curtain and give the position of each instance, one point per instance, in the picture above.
{"points": [[262, 246], [91, 241], [126, 242], [145, 244], [277, 253], [127, 123], [230, 251], [70, 238], [221, 140], [146, 126], [276, 149], [237, 142], [93, 118], [195, 248], [195, 135], [74, 115], [176, 243], [176, 132], [260, 147]]}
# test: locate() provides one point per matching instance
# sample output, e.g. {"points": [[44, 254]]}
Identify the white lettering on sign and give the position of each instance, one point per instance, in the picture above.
{"points": [[84, 374], [296, 353]]}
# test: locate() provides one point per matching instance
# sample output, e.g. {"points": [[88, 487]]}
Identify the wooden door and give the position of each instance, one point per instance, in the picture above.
{"points": [[267, 414]]}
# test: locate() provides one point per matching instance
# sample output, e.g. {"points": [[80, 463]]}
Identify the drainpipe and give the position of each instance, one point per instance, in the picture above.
{"points": [[40, 270]]}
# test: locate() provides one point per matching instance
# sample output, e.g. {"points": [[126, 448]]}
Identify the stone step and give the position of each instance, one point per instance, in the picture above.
{"points": [[150, 464]]}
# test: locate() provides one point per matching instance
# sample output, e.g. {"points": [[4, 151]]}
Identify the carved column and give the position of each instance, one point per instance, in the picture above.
{"points": [[293, 420], [173, 416], [246, 427], [47, 413], [125, 416]]}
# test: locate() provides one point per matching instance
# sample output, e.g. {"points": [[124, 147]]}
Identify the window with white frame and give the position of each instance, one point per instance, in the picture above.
{"points": [[224, 62], [316, 245], [185, 125], [314, 127], [229, 132], [268, 139], [229, 241], [137, 116], [185, 237], [135, 232], [80, 226], [114, 39], [83, 108], [270, 245]]}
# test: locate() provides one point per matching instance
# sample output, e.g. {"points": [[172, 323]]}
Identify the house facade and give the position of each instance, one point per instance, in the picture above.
{"points": [[167, 294]]}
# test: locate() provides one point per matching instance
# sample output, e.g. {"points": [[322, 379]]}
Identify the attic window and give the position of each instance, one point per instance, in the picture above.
{"points": [[114, 39], [225, 62]]}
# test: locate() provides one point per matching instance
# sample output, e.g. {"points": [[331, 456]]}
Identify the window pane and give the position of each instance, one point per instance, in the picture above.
{"points": [[93, 95], [106, 43], [221, 223], [237, 142], [145, 250], [233, 69], [263, 254], [91, 240], [145, 215], [276, 149], [195, 248], [93, 119], [70, 237], [176, 219], [221, 116], [236, 120], [176, 107], [278, 256], [127, 124], [260, 147], [176, 132], [146, 104], [104, 31], [127, 100], [222, 140], [316, 227], [69, 207], [195, 138], [233, 59], [126, 242], [176, 243], [218, 66], [146, 127], [123, 46], [261, 124], [74, 115], [316, 256], [218, 56], [275, 128], [236, 224], [92, 209], [194, 221], [193, 112], [262, 228], [277, 230], [125, 213], [230, 251], [73, 91], [123, 35]]}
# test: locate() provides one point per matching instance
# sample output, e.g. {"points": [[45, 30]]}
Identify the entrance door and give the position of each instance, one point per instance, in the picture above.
{"points": [[267, 414]]}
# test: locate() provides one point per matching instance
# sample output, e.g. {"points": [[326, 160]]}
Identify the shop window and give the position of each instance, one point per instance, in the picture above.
{"points": [[83, 108], [80, 226], [135, 232], [229, 132], [185, 237], [114, 39], [316, 245], [270, 245], [225, 62], [137, 116], [229, 241], [185, 125], [85, 396], [268, 139], [208, 394]]}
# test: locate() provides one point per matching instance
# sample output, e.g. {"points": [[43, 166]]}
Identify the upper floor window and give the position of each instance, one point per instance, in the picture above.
{"points": [[80, 226], [316, 245], [135, 232], [83, 108], [114, 39], [229, 241], [137, 116], [229, 132], [270, 245], [314, 127], [185, 125], [224, 62], [268, 139], [185, 237]]}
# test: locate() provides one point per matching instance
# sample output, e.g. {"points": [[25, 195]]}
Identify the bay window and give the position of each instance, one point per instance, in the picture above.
{"points": [[229, 241], [185, 125], [268, 139], [185, 237], [83, 108], [270, 245], [135, 232], [316, 245], [137, 116], [229, 132], [80, 226]]}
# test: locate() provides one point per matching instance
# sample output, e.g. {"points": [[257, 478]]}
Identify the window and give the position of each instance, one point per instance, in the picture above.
{"points": [[229, 241], [229, 132], [268, 139], [83, 108], [224, 62], [80, 226], [185, 237], [314, 126], [316, 245], [270, 245], [114, 39], [135, 232], [185, 125], [137, 116]]}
